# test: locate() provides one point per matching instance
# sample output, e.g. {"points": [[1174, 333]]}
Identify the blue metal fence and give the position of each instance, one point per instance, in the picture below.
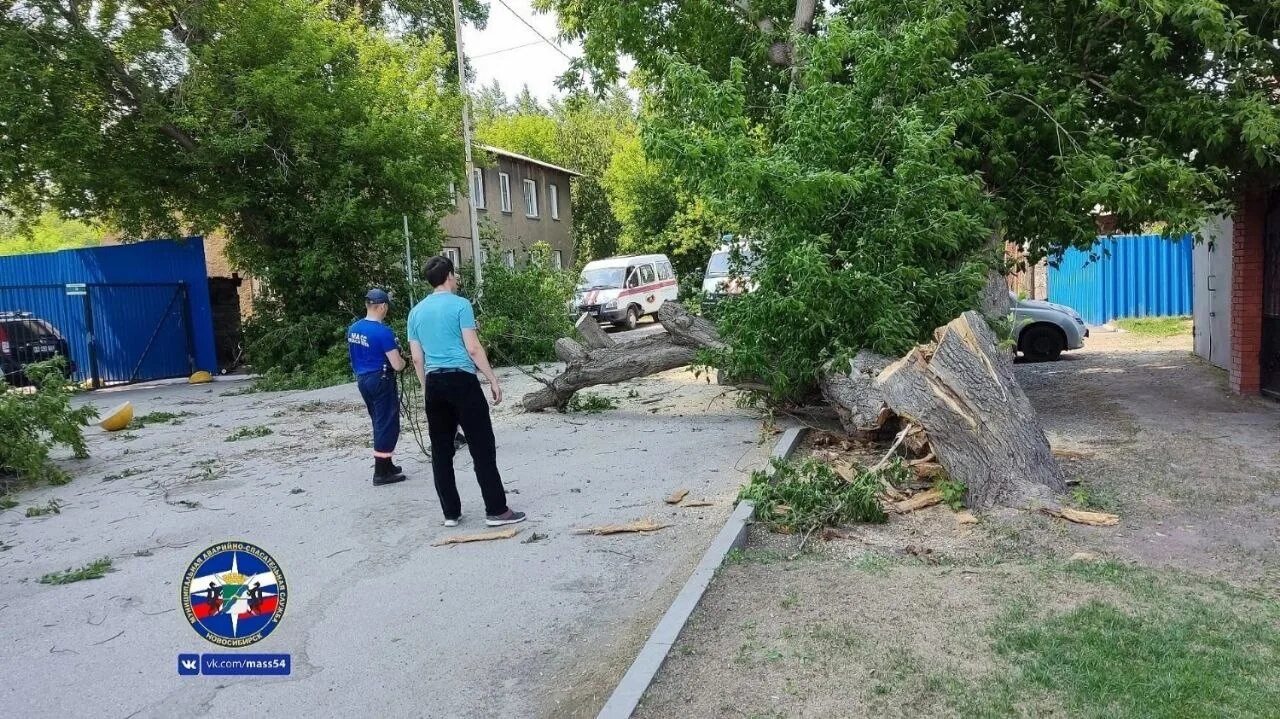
{"points": [[127, 312], [1125, 276]]}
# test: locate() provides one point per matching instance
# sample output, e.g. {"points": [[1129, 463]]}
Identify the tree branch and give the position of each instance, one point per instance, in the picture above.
{"points": [[133, 92]]}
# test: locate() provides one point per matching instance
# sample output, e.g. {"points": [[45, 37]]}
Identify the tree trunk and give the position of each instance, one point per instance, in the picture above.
{"points": [[981, 426], [569, 351], [685, 335], [857, 400], [607, 366], [592, 333]]}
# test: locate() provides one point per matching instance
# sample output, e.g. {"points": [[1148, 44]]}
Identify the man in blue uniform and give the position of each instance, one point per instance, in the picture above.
{"points": [[375, 358], [447, 354]]}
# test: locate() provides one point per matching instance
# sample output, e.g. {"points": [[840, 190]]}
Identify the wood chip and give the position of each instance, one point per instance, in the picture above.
{"points": [[927, 470], [927, 498], [640, 525], [697, 503], [677, 495], [507, 533], [1079, 516], [922, 460], [964, 517]]}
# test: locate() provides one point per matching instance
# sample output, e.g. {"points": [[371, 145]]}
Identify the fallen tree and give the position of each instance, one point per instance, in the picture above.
{"points": [[981, 426], [956, 399], [589, 366]]}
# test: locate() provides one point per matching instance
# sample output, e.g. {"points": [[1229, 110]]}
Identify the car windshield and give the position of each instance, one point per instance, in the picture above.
{"points": [[601, 278], [722, 261]]}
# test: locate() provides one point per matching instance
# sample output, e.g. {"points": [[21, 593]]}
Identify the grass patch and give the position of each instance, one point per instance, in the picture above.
{"points": [[94, 570], [1155, 326], [1168, 646], [810, 495], [53, 506], [588, 403], [158, 418], [1088, 495], [249, 432], [7, 503]]}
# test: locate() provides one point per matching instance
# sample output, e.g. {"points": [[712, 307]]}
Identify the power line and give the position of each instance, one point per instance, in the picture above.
{"points": [[505, 49], [535, 30]]}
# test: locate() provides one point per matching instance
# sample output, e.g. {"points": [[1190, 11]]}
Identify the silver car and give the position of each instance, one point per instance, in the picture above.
{"points": [[1044, 330]]}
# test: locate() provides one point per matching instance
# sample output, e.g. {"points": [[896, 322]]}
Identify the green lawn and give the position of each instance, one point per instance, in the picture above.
{"points": [[1160, 648], [1155, 326]]}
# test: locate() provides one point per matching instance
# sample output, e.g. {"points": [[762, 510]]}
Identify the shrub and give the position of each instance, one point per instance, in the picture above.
{"points": [[33, 422], [523, 310], [810, 495]]}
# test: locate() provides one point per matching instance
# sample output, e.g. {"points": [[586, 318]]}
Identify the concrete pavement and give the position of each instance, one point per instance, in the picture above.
{"points": [[379, 622]]}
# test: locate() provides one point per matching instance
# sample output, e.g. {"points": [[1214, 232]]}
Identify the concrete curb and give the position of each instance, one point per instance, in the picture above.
{"points": [[626, 696]]}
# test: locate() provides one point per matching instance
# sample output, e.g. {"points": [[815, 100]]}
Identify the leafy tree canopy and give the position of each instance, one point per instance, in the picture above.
{"points": [[46, 233], [304, 133], [878, 151]]}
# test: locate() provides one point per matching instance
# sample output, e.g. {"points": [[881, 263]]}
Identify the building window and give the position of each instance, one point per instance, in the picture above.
{"points": [[453, 194], [530, 198], [484, 256], [454, 254], [509, 258], [557, 257], [504, 191], [553, 199], [477, 187]]}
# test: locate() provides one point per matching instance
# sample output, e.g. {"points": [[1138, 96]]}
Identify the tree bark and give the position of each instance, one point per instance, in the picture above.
{"points": [[981, 426], [587, 367], [857, 400], [607, 366], [592, 333], [569, 351]]}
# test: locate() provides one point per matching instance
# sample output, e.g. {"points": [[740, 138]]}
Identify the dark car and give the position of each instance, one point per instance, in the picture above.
{"points": [[26, 339]]}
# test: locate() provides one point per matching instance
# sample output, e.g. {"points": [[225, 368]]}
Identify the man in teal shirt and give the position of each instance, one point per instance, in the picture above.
{"points": [[447, 354]]}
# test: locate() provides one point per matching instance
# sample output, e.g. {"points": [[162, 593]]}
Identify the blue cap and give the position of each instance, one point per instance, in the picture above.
{"points": [[377, 297]]}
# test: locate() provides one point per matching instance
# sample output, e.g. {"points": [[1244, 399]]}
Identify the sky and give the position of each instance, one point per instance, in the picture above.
{"points": [[532, 62]]}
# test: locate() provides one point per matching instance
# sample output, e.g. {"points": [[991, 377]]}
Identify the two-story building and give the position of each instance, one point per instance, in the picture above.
{"points": [[526, 200]]}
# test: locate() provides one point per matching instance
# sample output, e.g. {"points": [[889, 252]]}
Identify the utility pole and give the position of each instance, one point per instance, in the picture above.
{"points": [[466, 143], [408, 261]]}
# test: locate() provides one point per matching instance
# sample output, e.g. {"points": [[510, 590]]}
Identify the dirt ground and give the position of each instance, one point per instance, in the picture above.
{"points": [[922, 617]]}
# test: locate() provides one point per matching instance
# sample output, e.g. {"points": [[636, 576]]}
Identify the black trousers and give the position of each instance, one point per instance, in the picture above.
{"points": [[456, 399]]}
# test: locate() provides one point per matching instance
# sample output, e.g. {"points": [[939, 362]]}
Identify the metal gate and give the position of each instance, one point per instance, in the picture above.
{"points": [[110, 333], [1270, 358]]}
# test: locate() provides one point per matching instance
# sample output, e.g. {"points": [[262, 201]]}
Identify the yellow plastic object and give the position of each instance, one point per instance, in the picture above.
{"points": [[200, 377], [118, 418]]}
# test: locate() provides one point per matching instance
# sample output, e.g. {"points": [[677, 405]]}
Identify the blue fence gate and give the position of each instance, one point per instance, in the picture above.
{"points": [[111, 334], [1125, 276], [120, 314]]}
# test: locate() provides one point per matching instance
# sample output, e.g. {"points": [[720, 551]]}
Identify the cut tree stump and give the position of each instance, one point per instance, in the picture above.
{"points": [[587, 367], [962, 392], [592, 333], [857, 400]]}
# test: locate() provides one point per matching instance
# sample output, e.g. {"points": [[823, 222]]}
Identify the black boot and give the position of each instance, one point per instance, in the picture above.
{"points": [[384, 472]]}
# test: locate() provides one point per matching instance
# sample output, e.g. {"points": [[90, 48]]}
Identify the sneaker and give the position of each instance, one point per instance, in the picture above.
{"points": [[452, 522], [510, 517], [379, 480]]}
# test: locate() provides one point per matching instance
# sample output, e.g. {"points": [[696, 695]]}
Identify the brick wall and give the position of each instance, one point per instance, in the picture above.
{"points": [[1246, 293]]}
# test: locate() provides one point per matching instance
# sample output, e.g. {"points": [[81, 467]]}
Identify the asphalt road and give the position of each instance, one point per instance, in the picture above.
{"points": [[378, 622]]}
